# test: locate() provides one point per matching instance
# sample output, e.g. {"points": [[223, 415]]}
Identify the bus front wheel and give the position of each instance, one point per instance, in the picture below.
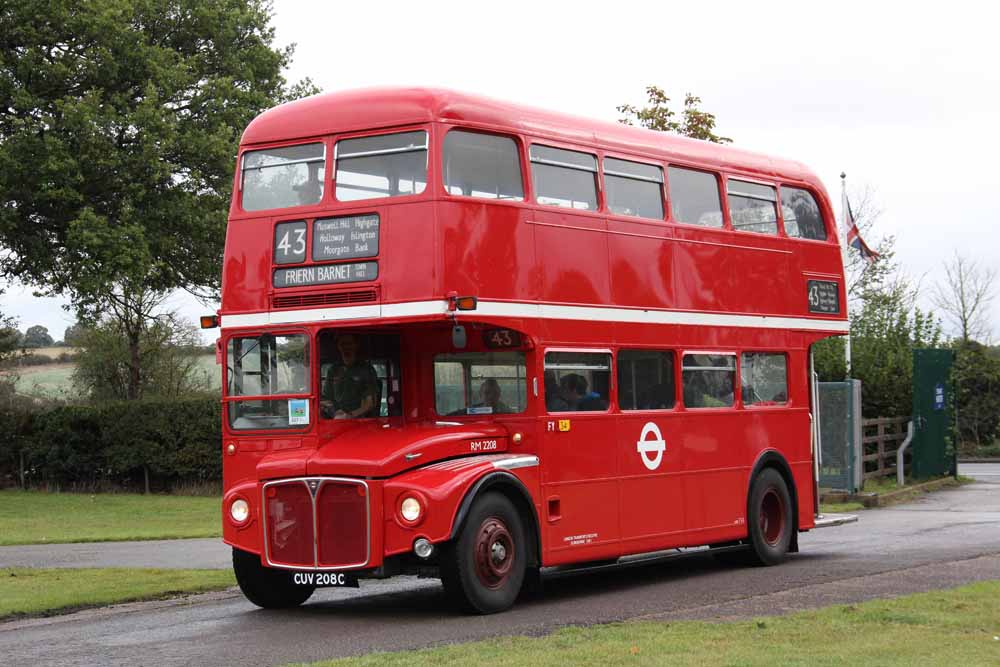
{"points": [[770, 518], [484, 566], [267, 587]]}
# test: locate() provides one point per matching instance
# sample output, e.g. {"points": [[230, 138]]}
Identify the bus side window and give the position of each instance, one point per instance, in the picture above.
{"points": [[634, 188], [752, 207], [577, 381], [564, 178], [709, 380], [646, 380], [694, 197], [481, 165], [801, 214], [764, 378]]}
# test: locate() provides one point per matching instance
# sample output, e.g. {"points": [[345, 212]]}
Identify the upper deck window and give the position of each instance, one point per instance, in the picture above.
{"points": [[801, 214], [482, 165], [564, 178], [283, 177], [634, 188], [752, 207], [385, 165], [694, 197]]}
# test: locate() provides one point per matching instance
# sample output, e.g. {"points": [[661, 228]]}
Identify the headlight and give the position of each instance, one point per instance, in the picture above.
{"points": [[239, 510], [410, 509]]}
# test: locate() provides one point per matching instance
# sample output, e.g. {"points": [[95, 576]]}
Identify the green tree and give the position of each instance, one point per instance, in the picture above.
{"points": [[883, 334], [693, 122], [167, 361], [976, 374], [37, 336], [120, 123], [73, 336]]}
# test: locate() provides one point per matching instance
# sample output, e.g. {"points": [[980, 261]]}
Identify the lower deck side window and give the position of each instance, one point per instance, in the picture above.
{"points": [[577, 381], [764, 378], [480, 383], [709, 380], [645, 380]]}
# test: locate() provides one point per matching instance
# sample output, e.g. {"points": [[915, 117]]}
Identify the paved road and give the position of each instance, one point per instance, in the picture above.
{"points": [[207, 553], [984, 472], [945, 539]]}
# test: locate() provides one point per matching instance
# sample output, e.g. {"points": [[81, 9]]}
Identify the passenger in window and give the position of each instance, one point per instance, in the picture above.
{"points": [[489, 397], [311, 191], [574, 390], [657, 397], [351, 390], [554, 402]]}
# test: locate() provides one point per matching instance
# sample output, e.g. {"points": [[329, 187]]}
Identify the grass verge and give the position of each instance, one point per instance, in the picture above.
{"points": [[42, 592], [957, 627], [36, 517], [839, 508]]}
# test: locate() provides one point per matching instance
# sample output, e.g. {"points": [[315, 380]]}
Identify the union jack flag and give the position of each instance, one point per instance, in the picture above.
{"points": [[854, 239]]}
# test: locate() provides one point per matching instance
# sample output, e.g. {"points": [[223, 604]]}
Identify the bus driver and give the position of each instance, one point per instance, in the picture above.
{"points": [[351, 389]]}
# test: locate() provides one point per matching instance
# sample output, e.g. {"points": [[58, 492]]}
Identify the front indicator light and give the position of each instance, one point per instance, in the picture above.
{"points": [[410, 509], [239, 510]]}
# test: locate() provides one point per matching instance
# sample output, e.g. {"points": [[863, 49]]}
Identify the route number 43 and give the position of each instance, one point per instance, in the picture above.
{"points": [[293, 242]]}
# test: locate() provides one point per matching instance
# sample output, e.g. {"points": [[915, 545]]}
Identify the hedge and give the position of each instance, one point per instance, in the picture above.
{"points": [[149, 444]]}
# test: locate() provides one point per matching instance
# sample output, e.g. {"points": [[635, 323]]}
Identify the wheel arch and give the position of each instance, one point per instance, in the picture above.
{"points": [[515, 490], [773, 459]]}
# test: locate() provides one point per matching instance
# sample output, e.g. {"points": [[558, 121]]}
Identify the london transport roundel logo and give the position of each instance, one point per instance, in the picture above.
{"points": [[651, 449]]}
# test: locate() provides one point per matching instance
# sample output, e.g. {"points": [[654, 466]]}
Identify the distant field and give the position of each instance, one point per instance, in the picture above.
{"points": [[52, 352], [56, 380]]}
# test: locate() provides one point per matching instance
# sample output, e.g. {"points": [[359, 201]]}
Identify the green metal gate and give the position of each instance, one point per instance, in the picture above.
{"points": [[933, 408]]}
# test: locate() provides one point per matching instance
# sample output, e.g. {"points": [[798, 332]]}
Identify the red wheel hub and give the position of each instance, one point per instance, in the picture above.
{"points": [[772, 517], [494, 553]]}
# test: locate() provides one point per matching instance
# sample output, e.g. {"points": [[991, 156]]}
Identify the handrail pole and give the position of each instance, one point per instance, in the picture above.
{"points": [[902, 450]]}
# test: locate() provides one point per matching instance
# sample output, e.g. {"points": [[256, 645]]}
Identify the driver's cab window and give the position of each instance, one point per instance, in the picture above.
{"points": [[359, 375], [480, 383]]}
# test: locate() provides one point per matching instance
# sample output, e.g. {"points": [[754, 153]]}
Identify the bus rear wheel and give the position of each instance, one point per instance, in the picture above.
{"points": [[771, 525], [483, 569], [267, 587]]}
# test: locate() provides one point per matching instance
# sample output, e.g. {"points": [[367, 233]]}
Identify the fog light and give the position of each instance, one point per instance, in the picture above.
{"points": [[423, 548], [239, 510], [410, 509]]}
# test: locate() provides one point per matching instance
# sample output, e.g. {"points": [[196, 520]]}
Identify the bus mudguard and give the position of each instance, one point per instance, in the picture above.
{"points": [[446, 490]]}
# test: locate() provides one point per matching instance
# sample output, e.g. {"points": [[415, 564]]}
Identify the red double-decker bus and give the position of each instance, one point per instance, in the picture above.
{"points": [[473, 339]]}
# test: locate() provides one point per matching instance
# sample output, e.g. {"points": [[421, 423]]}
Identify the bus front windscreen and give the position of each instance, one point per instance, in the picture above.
{"points": [[263, 366]]}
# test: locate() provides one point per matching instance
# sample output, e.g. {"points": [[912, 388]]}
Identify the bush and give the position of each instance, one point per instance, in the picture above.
{"points": [[128, 444]]}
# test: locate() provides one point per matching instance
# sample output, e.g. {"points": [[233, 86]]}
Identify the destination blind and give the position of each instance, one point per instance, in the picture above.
{"points": [[326, 274], [348, 237]]}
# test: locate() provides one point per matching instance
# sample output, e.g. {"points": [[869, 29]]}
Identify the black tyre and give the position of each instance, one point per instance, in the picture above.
{"points": [[267, 587], [770, 518], [483, 567]]}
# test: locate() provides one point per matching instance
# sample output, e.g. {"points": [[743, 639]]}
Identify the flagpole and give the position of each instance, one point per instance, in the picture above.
{"points": [[843, 256]]}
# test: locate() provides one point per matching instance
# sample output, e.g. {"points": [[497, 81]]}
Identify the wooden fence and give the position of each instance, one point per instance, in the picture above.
{"points": [[880, 440]]}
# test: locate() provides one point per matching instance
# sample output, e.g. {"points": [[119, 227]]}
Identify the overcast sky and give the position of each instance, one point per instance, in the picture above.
{"points": [[904, 98]]}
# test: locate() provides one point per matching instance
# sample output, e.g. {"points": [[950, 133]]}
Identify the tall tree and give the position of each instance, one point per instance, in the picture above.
{"points": [[965, 298], [119, 125], [37, 336], [693, 122]]}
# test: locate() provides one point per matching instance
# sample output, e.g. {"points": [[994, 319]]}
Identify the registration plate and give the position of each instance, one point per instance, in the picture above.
{"points": [[325, 579]]}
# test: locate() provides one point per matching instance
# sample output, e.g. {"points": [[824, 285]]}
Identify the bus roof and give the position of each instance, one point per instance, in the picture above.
{"points": [[372, 108]]}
